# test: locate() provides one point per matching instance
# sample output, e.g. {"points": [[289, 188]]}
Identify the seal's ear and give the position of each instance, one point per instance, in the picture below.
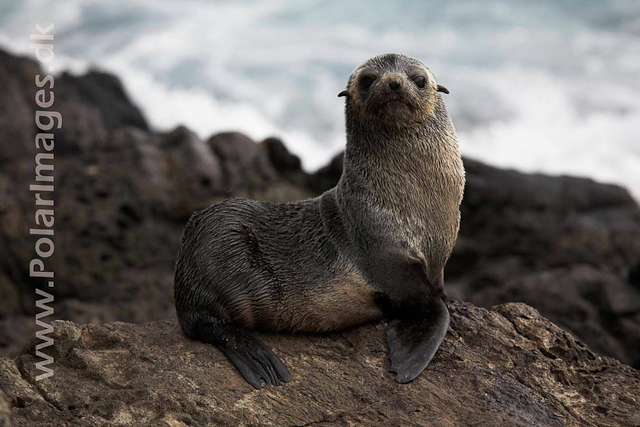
{"points": [[343, 93], [441, 89]]}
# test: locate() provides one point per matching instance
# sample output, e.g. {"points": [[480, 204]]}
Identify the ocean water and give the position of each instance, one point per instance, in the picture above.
{"points": [[550, 86]]}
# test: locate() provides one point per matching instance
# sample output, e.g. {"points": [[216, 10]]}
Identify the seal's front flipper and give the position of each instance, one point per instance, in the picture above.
{"points": [[248, 354], [414, 340]]}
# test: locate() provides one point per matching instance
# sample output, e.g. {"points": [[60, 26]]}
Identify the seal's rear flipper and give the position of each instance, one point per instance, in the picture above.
{"points": [[414, 340], [248, 354]]}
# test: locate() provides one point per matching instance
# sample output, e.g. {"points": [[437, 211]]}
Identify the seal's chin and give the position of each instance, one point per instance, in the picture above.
{"points": [[394, 112], [396, 103], [393, 106], [396, 109]]}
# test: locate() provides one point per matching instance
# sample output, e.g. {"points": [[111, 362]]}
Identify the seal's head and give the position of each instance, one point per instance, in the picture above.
{"points": [[393, 91]]}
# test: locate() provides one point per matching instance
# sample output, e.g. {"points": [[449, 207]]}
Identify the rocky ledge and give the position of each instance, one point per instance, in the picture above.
{"points": [[504, 366]]}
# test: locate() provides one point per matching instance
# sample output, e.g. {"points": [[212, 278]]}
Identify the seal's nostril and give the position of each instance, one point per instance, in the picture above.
{"points": [[394, 84]]}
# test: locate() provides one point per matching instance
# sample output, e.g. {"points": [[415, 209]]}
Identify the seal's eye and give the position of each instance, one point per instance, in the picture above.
{"points": [[366, 81], [420, 81]]}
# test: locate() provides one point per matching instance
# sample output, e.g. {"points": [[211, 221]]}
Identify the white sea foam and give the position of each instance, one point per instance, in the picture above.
{"points": [[546, 86]]}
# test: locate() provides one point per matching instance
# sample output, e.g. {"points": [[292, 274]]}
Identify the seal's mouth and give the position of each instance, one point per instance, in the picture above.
{"points": [[396, 102], [388, 99]]}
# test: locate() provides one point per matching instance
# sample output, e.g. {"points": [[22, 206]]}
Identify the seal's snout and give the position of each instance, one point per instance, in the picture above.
{"points": [[394, 84]]}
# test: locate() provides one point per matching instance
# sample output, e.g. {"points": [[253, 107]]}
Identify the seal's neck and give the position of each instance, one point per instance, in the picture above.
{"points": [[392, 168]]}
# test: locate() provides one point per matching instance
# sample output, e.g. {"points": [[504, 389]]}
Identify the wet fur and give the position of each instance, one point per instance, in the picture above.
{"points": [[374, 246], [264, 266]]}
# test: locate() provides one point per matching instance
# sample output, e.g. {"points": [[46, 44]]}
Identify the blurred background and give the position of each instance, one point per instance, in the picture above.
{"points": [[545, 96], [550, 86]]}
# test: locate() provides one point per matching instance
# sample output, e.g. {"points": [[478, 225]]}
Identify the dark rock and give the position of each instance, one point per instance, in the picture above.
{"points": [[508, 366], [634, 276], [83, 125], [106, 93], [286, 163], [584, 299], [192, 170], [91, 105], [327, 176], [245, 164], [9, 297], [120, 212], [564, 245], [17, 107], [549, 221]]}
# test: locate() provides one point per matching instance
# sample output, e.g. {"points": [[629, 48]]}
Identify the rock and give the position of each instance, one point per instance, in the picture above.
{"points": [[245, 164], [287, 164], [5, 411], [191, 161], [83, 126], [15, 330], [17, 107], [564, 245], [107, 94], [92, 105], [280, 157], [507, 366], [549, 221], [327, 176], [9, 298], [593, 302]]}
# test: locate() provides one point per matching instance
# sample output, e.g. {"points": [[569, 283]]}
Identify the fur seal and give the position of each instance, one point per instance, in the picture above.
{"points": [[374, 246]]}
